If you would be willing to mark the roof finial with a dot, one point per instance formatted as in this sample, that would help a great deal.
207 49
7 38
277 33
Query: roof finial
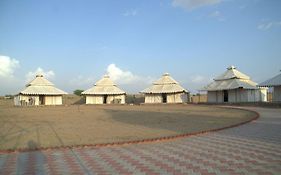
231 67
39 75
166 74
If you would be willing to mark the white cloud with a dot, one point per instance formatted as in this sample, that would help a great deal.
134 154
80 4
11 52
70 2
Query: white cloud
47 74
124 77
82 81
266 25
217 15
193 83
193 4
132 12
9 83
128 81
8 66
199 79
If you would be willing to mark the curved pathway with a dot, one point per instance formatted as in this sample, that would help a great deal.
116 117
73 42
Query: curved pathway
253 148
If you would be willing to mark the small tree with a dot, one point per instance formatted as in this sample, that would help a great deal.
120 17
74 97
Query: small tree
78 92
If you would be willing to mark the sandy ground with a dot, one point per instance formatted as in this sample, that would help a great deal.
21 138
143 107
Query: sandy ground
82 124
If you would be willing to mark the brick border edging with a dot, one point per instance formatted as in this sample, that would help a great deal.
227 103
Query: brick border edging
152 140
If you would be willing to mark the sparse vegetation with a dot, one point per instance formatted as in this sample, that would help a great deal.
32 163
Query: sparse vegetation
78 92
134 98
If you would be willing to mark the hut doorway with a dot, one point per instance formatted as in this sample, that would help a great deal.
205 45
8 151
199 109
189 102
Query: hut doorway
164 97
104 99
225 96
41 100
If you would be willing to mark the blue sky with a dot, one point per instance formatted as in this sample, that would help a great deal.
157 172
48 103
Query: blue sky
74 43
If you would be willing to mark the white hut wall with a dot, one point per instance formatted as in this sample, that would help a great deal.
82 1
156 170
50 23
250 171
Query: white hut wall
115 99
177 98
110 99
238 95
97 99
251 95
219 96
263 93
16 100
94 99
258 95
153 98
276 94
122 98
171 98
232 96
36 100
53 100
182 97
242 95
212 97
25 100
90 99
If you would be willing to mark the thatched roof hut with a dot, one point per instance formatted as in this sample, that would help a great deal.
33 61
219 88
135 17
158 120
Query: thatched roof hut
165 90
40 91
105 91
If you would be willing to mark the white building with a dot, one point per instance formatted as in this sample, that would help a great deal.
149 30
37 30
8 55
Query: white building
39 91
234 87
274 82
105 91
165 90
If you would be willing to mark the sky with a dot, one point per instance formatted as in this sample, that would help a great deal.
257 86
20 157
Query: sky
75 42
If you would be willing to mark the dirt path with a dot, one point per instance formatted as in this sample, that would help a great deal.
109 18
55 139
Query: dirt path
79 125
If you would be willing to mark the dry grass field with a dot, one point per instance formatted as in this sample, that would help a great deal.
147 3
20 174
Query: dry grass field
31 127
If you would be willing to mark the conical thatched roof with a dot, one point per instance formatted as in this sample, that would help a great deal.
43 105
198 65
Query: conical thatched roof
231 79
41 86
166 84
232 73
104 86
275 81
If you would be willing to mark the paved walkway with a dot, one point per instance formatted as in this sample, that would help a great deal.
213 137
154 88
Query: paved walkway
254 148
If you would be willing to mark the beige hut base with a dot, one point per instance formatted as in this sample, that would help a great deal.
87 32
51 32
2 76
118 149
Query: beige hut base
238 95
276 94
274 82
105 99
170 98
35 100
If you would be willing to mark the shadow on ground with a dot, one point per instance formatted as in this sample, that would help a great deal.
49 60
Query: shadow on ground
177 122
